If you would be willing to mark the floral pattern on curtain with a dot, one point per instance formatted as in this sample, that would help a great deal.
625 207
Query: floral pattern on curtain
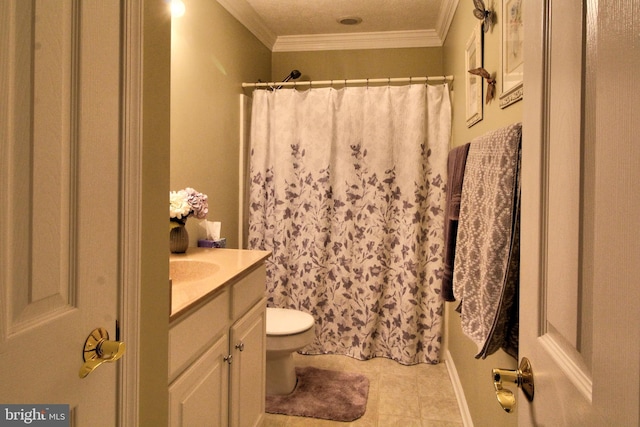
348 192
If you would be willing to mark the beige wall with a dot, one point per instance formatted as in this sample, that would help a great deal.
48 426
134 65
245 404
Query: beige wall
358 64
154 262
475 375
212 54
454 47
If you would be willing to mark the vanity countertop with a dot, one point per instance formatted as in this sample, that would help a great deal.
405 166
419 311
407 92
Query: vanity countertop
227 263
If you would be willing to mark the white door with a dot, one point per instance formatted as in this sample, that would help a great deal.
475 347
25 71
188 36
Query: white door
59 201
580 275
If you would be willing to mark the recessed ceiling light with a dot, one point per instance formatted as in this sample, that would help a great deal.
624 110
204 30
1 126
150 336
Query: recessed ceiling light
350 20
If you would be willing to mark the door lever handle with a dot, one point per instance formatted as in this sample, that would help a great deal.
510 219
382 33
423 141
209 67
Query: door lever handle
98 350
522 377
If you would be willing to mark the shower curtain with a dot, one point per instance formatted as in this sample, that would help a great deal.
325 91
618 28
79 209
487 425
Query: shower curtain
348 192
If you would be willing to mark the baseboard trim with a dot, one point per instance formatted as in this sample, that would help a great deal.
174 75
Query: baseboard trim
457 388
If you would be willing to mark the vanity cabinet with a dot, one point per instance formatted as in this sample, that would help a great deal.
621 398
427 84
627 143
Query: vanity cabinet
199 397
217 351
247 382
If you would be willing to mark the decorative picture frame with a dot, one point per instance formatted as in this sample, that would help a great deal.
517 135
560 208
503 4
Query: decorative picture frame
512 52
473 83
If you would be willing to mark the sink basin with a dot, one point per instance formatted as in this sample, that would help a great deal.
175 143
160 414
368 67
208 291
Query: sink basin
186 270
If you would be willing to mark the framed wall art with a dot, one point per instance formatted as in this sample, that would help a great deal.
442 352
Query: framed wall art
473 59
512 52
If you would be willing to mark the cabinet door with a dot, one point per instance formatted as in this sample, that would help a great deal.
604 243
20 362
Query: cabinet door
248 343
199 396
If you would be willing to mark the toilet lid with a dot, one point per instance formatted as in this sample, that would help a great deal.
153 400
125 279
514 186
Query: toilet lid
284 321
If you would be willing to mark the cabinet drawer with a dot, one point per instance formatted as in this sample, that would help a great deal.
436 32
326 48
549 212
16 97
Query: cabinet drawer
247 291
196 331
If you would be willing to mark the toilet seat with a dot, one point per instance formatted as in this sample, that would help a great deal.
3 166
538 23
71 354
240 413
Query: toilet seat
284 321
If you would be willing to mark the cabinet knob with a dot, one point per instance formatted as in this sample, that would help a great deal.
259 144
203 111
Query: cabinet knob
240 346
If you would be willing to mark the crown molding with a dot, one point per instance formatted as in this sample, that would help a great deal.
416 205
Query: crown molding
447 12
243 12
347 41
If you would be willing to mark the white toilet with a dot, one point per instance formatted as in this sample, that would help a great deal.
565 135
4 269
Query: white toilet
287 332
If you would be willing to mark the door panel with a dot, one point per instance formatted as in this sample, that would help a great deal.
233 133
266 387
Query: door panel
59 171
551 304
43 176
561 301
563 159
575 155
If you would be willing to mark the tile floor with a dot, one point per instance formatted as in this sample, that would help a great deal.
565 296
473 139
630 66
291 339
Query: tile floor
406 396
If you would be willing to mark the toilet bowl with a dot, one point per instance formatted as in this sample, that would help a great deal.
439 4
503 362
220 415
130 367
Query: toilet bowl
287 332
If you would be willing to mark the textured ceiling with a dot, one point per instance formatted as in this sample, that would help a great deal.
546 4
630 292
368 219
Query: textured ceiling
295 17
313 24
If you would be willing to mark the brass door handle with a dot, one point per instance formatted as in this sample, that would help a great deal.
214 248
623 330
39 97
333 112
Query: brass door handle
522 377
98 350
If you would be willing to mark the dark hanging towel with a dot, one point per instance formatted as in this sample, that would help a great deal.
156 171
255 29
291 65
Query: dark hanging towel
455 171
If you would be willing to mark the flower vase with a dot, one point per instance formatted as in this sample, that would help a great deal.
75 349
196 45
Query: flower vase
178 240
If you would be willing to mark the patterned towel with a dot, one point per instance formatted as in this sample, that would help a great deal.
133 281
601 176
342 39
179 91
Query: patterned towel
487 255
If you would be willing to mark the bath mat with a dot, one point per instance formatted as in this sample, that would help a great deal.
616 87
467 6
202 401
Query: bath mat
321 393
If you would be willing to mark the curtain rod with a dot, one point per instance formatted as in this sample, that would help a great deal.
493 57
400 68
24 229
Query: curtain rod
346 82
